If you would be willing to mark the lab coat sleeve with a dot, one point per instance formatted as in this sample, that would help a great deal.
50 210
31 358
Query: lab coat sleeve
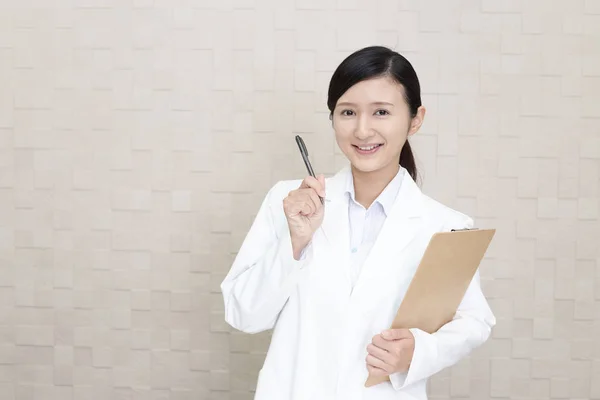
469 329
263 273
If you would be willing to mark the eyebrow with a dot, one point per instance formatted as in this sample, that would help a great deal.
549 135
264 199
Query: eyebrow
376 103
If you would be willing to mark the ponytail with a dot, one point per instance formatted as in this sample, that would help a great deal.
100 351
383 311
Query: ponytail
407 160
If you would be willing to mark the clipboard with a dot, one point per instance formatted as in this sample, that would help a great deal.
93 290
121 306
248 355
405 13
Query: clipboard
440 282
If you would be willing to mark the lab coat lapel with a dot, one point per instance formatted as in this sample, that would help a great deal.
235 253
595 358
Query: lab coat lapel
336 227
398 231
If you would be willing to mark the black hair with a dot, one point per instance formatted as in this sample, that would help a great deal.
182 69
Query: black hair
372 62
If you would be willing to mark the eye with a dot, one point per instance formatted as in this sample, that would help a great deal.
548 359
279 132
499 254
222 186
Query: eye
347 113
382 112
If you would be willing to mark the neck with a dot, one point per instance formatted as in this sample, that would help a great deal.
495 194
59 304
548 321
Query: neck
369 185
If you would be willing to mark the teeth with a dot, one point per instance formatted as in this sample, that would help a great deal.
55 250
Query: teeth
368 148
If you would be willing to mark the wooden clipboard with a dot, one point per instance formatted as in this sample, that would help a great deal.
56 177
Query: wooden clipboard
440 282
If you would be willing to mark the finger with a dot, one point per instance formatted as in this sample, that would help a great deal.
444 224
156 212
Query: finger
308 206
321 179
315 199
380 342
310 182
310 197
376 362
380 353
299 203
397 334
306 209
374 371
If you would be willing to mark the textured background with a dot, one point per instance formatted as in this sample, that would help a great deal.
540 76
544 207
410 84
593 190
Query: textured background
137 139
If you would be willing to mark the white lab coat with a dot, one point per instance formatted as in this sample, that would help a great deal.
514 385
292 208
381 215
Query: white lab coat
322 325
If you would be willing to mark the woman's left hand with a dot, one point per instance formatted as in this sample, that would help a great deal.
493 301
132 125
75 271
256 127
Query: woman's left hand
390 352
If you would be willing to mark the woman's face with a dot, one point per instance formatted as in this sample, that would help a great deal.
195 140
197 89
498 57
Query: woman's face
372 122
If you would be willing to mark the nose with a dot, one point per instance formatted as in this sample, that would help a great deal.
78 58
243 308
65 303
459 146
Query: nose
362 130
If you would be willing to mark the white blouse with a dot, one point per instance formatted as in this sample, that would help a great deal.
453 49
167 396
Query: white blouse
365 224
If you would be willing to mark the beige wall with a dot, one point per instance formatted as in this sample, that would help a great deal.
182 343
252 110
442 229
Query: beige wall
136 143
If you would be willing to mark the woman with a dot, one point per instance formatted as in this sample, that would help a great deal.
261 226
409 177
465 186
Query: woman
329 277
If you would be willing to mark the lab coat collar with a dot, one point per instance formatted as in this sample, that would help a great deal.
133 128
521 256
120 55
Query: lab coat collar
408 193
386 198
399 229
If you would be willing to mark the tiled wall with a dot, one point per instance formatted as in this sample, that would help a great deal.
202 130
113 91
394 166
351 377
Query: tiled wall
138 137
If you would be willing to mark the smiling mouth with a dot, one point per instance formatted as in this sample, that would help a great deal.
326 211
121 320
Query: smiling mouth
367 149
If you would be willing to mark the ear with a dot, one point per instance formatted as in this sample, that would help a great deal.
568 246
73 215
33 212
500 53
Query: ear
417 121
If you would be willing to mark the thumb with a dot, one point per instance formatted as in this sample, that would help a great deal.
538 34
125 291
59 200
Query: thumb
396 334
321 179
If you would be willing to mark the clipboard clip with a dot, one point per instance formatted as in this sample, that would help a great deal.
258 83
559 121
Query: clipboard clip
463 229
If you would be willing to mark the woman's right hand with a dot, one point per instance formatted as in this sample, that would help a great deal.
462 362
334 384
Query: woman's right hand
304 212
